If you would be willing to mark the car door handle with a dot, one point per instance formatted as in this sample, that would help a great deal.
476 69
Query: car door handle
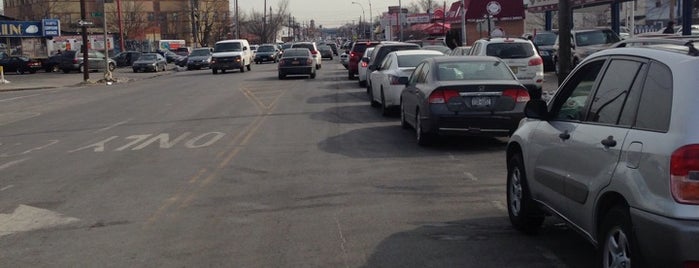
609 142
565 135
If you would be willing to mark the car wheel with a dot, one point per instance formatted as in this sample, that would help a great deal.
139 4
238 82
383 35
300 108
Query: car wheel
223 71
372 102
281 76
403 123
618 246
317 66
55 68
242 68
313 75
32 71
523 212
362 83
423 138
135 70
80 69
250 67
331 58
66 71
214 71
384 109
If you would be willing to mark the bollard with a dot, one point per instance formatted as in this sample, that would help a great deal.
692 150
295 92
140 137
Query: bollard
2 76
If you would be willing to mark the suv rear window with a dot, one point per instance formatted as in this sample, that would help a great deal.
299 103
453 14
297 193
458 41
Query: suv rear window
510 50
359 47
308 46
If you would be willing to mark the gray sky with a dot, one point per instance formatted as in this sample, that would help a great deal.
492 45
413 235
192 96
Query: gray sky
329 13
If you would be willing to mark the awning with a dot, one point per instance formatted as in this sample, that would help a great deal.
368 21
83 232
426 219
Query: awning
437 29
478 9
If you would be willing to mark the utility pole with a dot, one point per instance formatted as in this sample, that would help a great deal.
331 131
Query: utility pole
195 21
564 53
83 14
264 24
673 4
121 26
107 73
400 20
237 21
463 22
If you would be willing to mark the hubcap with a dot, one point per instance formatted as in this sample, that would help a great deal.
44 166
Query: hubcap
515 191
616 252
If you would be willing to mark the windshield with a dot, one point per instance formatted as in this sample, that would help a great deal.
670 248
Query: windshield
412 60
265 49
474 70
200 52
545 39
147 57
595 38
510 50
228 47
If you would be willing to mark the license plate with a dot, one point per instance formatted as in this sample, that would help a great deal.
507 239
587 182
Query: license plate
295 62
480 101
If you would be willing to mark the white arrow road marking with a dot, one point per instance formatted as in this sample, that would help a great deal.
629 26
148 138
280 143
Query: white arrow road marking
26 218
12 163
20 97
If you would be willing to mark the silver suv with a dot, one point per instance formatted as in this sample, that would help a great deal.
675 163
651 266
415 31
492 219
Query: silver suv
615 153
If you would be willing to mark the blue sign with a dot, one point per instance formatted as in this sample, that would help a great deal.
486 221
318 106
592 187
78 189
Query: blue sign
48 27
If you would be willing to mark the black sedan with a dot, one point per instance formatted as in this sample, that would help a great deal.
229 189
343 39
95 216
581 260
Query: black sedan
462 96
19 64
150 62
296 61
267 53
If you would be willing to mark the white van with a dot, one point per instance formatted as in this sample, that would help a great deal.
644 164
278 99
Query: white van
231 54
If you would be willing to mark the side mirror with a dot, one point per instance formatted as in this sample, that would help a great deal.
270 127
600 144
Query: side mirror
403 80
536 109
245 48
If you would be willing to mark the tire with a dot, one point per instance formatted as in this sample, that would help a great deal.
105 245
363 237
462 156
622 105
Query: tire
242 68
384 110
318 66
403 123
423 138
249 67
214 71
313 75
618 246
223 71
32 71
331 58
362 83
524 214
281 76
80 69
135 70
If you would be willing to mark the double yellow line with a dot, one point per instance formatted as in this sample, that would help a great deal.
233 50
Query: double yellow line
184 197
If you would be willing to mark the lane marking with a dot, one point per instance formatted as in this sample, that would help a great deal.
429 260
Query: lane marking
343 241
112 126
20 97
12 163
6 188
470 176
27 218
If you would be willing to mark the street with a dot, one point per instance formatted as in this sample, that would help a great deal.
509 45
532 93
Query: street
244 170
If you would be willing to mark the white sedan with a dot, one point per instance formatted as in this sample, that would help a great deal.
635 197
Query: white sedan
363 67
390 78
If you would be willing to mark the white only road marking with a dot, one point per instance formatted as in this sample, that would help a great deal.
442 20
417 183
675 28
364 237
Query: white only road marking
112 126
6 187
20 97
27 218
12 163
470 176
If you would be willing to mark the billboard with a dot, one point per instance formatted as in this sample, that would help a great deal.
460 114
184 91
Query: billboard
30 28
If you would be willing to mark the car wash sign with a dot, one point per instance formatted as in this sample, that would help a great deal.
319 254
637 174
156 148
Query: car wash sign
49 27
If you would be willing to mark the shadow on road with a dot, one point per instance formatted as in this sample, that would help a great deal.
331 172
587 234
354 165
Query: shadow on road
483 242
351 114
342 97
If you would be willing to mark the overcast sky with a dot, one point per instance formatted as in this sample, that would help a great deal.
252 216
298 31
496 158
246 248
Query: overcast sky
329 13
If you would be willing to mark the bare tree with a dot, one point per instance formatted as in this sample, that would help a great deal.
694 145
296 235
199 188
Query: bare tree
267 28
211 20
133 18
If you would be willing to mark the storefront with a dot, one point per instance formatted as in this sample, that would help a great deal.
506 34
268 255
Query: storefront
483 16
28 37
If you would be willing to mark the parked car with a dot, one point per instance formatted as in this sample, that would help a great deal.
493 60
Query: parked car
519 54
182 51
152 62
344 59
52 63
355 55
231 54
460 51
73 61
268 52
20 64
311 46
476 95
296 61
126 58
199 58
380 53
362 67
584 43
544 42
326 52
386 86
615 154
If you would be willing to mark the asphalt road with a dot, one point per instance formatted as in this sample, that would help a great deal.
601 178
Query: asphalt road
244 170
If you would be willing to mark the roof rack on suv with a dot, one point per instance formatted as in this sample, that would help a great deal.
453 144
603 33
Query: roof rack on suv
653 42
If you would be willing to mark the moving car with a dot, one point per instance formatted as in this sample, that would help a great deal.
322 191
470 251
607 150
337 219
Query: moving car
326 52
615 154
151 62
267 53
519 54
20 64
311 46
296 61
386 80
231 54
476 95
199 58
73 61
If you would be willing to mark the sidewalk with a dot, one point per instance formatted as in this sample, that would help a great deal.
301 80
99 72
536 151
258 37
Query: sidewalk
43 80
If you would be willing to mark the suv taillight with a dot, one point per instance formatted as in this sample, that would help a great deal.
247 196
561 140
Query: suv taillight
684 174
442 95
520 95
536 61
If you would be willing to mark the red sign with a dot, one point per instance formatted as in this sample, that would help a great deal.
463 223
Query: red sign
480 9
549 5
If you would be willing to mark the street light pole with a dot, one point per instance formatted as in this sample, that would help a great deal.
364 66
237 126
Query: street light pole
360 21
400 20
